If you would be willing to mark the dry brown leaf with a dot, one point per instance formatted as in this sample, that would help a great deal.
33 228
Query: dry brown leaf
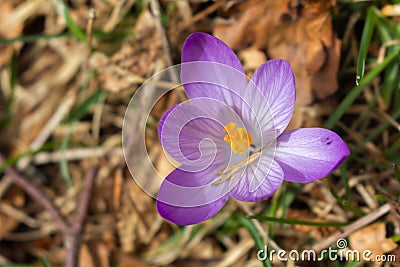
34 122
6 11
391 10
126 260
373 238
85 257
126 229
117 188
16 198
99 254
133 61
300 32
252 58
315 231
136 222
7 225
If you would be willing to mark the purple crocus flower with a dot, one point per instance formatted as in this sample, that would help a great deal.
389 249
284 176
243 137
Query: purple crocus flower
230 136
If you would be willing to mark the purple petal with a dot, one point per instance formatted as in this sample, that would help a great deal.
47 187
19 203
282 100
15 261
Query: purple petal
308 154
187 216
211 69
190 137
189 198
272 91
162 120
201 46
193 134
259 181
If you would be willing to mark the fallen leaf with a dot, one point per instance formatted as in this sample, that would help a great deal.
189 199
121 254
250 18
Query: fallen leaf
373 238
317 232
85 257
16 198
7 225
298 31
6 12
391 10
126 260
134 60
252 58
100 253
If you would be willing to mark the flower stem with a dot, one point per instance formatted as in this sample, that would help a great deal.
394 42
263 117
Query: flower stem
259 227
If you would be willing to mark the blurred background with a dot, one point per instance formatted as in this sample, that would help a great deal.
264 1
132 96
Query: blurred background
68 70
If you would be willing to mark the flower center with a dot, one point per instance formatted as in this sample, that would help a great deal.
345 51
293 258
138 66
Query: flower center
239 138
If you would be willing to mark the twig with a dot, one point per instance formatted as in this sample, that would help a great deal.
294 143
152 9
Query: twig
119 11
18 215
36 194
236 252
71 231
155 7
63 109
72 235
75 154
5 183
207 11
352 227
89 31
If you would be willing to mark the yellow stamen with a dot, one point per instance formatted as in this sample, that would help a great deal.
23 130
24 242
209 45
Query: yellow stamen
239 138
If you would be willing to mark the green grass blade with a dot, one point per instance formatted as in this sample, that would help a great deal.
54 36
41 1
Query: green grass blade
396 171
71 24
396 101
356 91
300 222
368 30
396 238
34 38
344 203
258 241
79 112
370 106
391 78
63 161
393 149
11 161
377 131
44 261
287 199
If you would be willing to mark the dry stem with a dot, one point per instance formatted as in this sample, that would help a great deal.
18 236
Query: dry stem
71 231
